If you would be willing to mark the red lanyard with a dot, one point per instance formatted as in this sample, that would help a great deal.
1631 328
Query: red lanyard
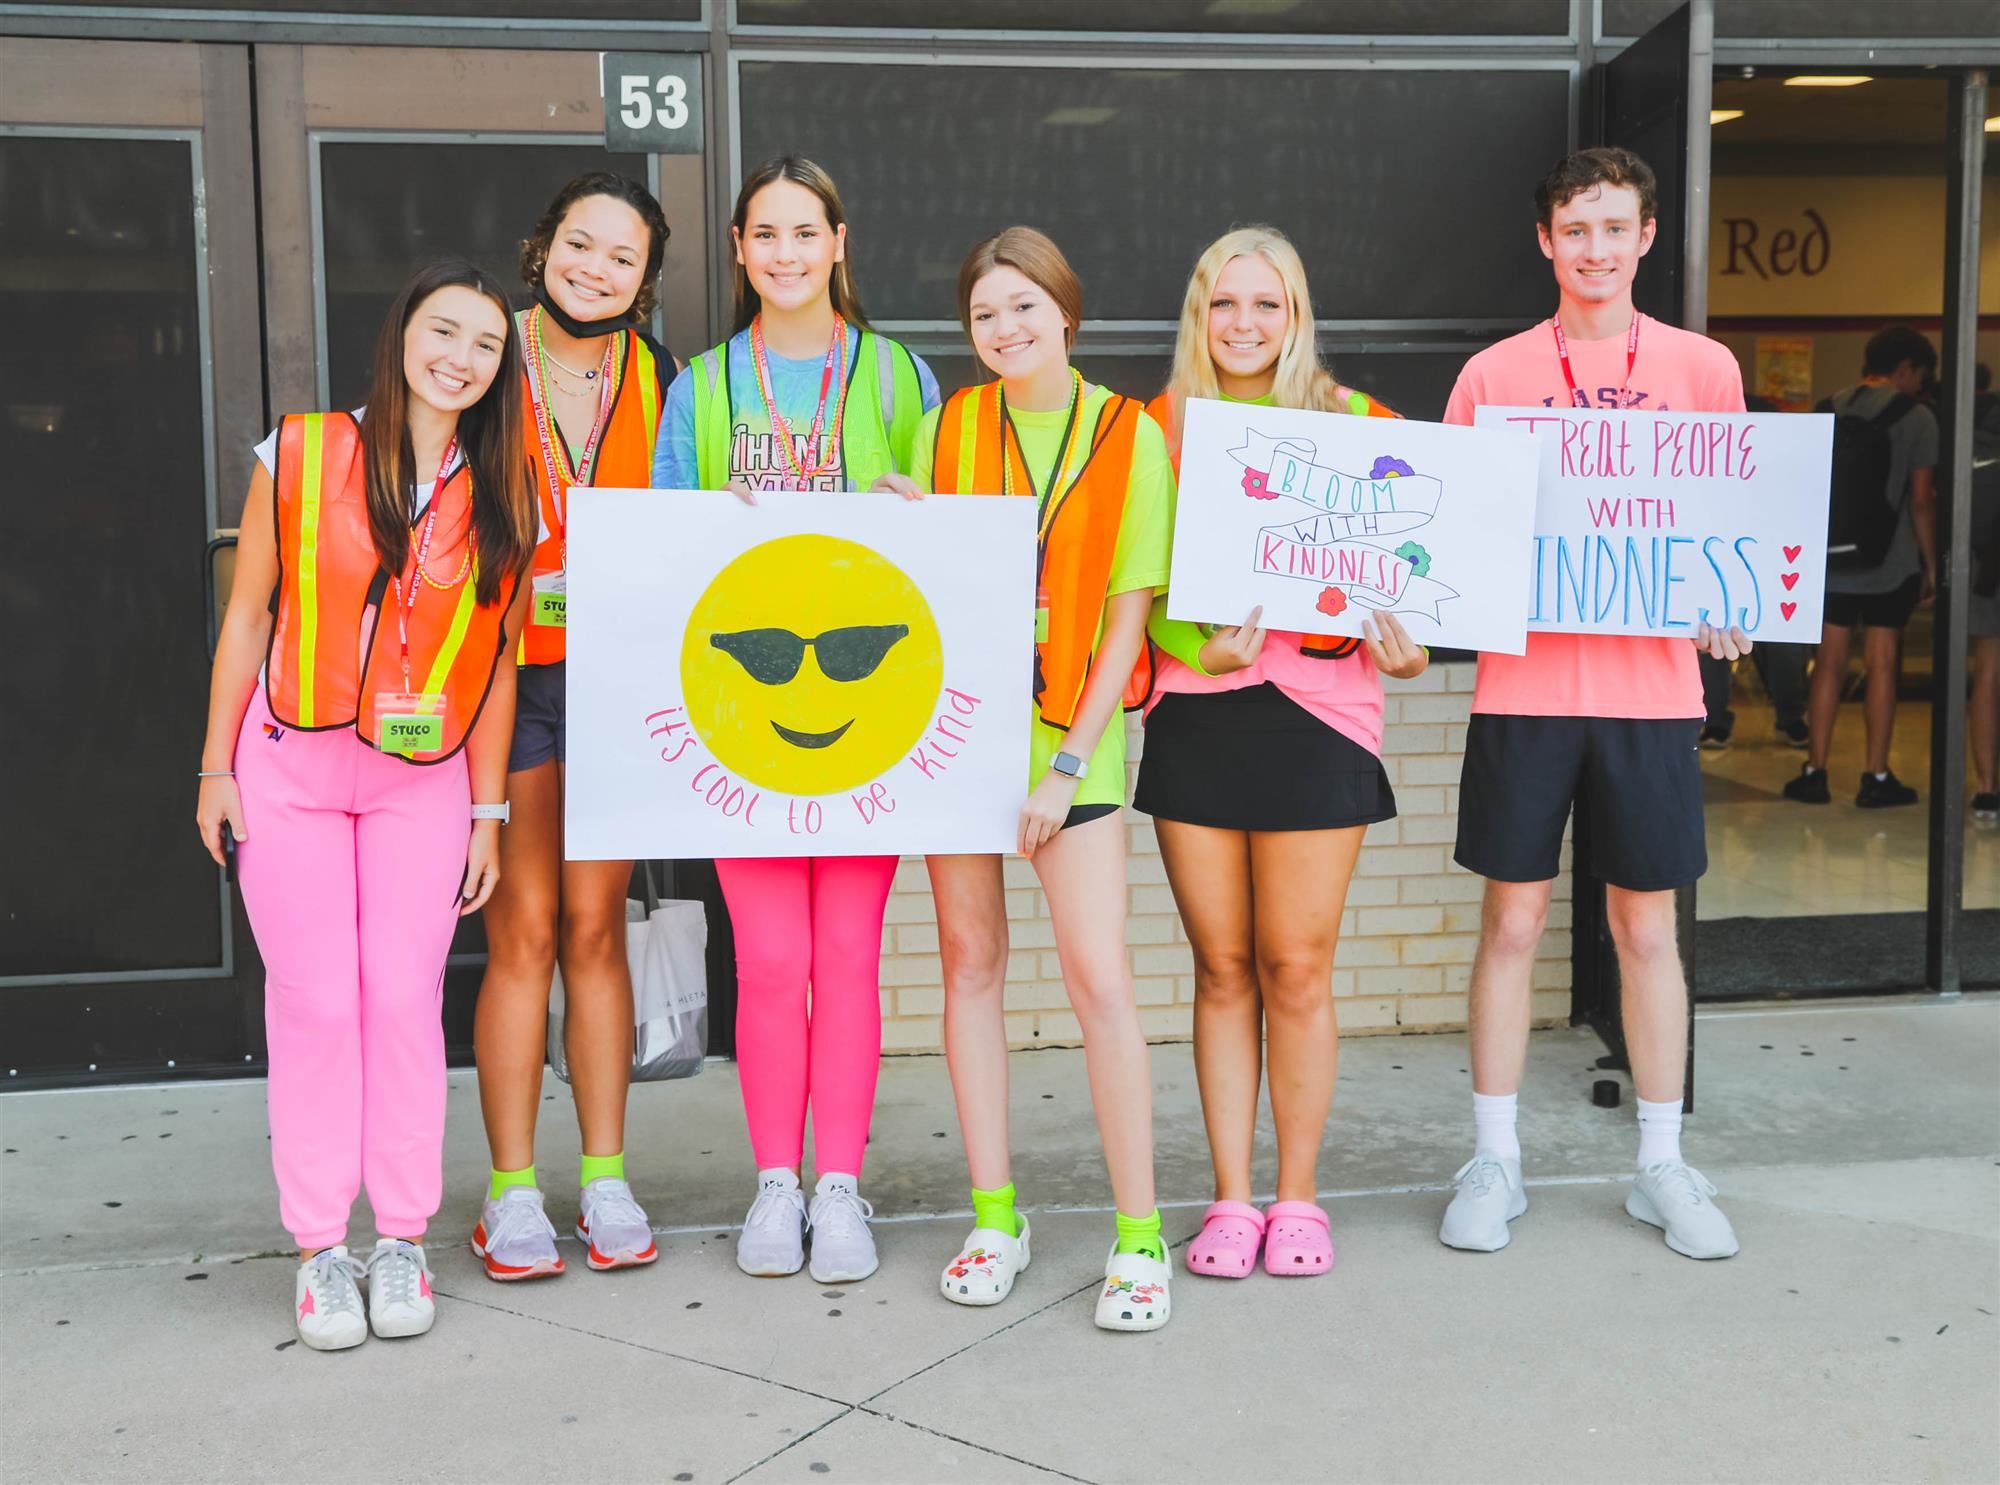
1576 398
561 476
403 611
781 433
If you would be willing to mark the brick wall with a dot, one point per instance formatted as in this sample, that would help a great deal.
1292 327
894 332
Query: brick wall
1406 939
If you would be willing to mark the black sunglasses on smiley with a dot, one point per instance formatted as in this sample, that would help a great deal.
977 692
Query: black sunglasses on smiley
773 656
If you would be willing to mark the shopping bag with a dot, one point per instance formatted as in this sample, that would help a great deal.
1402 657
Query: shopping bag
666 945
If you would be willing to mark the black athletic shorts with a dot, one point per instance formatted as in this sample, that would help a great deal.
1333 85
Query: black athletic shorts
1889 610
1639 777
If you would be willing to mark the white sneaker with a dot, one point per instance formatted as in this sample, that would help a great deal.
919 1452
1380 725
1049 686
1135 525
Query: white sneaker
399 1289
1489 1196
327 1303
843 1247
1674 1196
772 1242
514 1237
613 1226
985 1269
1135 1293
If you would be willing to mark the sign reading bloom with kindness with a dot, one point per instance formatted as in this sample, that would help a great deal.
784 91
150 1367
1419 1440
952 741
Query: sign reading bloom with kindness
1325 518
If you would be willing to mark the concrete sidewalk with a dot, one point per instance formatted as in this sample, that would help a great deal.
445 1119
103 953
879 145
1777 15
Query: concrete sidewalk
147 1331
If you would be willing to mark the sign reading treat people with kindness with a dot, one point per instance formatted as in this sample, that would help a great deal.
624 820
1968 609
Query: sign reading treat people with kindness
812 675
1656 522
1326 518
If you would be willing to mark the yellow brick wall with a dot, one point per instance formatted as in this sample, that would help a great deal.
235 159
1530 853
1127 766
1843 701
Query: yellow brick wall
1406 939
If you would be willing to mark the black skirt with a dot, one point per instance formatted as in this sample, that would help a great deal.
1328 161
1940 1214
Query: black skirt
1255 759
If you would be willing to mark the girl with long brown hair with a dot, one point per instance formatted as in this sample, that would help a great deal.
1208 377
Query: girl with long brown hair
802 396
356 763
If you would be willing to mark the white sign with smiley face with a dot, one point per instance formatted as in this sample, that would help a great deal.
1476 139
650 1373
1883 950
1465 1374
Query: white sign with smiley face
815 675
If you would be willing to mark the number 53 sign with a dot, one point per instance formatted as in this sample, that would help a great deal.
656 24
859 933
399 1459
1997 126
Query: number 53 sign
652 103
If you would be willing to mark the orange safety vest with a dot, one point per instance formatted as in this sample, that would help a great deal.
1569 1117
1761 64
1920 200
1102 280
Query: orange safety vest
624 462
1078 534
333 649
1165 411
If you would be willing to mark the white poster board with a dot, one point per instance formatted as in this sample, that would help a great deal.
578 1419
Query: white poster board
815 675
1325 518
1653 522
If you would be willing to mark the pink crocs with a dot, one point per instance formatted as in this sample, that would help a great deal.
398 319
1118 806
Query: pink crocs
1297 1243
1226 1247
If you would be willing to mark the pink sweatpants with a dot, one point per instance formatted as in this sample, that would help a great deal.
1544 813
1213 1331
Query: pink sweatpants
808 1001
351 873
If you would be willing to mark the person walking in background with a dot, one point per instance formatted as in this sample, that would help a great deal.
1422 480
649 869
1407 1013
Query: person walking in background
1885 454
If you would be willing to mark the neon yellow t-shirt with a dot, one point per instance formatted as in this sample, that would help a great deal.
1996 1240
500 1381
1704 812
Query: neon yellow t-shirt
1140 560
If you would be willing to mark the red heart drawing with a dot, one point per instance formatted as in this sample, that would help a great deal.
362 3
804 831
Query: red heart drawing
1788 609
1789 579
1792 553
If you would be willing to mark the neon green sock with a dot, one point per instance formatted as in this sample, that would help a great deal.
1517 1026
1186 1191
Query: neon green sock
597 1167
502 1180
1142 1235
995 1209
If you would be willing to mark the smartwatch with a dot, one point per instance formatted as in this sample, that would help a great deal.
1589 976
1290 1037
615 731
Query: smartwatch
1069 766
498 812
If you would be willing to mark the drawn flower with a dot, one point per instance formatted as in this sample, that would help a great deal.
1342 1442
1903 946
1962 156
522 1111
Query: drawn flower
1255 483
1388 468
1414 554
1332 602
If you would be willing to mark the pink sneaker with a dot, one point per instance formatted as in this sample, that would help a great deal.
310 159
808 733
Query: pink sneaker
1297 1243
1226 1246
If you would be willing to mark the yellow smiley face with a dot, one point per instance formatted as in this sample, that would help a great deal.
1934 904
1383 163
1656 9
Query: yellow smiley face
810 665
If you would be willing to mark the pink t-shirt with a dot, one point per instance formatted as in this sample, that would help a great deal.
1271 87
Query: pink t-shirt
1346 693
1597 675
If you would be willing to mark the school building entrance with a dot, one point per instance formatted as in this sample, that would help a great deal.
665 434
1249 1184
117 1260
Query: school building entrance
208 207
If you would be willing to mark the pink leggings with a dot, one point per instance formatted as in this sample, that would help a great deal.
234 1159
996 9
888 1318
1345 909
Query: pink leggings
351 873
808 922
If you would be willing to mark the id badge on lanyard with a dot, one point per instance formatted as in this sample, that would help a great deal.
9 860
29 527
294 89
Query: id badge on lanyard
551 607
410 722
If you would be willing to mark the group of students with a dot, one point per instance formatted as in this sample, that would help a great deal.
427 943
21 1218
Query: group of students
386 737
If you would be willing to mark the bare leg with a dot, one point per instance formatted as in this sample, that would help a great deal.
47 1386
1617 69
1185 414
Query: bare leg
510 1021
972 939
1654 991
1823 701
1510 929
1083 875
1984 712
1300 882
597 995
1878 648
1210 873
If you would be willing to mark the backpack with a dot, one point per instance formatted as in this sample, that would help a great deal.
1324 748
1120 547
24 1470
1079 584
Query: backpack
1986 506
1860 515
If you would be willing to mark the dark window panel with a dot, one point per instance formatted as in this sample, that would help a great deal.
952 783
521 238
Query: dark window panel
1128 172
465 10
1234 17
107 515
1819 20
390 207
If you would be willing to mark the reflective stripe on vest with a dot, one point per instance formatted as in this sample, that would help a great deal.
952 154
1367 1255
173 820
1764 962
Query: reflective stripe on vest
308 566
879 379
1080 527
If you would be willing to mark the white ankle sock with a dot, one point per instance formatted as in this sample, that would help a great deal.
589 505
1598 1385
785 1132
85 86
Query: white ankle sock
1493 1124
1659 1132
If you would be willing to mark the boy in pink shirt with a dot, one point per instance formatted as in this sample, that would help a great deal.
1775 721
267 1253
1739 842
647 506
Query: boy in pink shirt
1610 719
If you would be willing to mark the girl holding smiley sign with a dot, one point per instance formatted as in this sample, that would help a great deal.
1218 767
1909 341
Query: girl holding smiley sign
1098 468
803 396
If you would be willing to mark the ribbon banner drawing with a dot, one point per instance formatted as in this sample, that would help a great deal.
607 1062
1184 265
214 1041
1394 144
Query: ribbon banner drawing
1330 547
1326 520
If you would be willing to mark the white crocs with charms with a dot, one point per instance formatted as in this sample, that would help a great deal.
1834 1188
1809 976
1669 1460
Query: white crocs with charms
1135 1292
984 1271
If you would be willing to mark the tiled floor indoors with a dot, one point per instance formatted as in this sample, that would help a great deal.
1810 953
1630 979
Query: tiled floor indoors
1771 858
